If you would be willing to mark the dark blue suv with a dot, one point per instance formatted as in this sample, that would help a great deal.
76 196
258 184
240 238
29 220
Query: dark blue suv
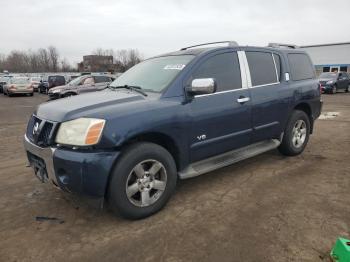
177 115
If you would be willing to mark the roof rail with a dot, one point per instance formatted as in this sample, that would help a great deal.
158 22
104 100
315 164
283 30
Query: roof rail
230 43
279 45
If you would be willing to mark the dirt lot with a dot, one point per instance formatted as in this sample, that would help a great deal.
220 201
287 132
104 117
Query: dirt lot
268 208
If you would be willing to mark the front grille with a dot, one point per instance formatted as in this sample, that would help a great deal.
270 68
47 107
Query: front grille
40 131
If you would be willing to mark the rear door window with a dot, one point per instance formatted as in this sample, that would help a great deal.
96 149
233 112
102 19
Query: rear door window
301 67
224 68
262 68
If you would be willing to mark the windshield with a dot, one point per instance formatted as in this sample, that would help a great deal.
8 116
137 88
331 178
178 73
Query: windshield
19 80
328 75
154 74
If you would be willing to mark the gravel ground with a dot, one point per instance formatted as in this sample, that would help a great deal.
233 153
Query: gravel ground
268 208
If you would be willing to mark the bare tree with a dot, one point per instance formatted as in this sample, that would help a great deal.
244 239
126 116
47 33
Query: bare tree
53 57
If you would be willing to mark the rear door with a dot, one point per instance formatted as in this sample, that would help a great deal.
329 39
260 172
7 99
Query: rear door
269 94
220 122
88 85
343 81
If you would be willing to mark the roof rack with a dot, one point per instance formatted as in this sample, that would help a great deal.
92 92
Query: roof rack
230 43
279 45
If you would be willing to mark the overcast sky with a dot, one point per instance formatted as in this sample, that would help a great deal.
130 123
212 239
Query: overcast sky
76 27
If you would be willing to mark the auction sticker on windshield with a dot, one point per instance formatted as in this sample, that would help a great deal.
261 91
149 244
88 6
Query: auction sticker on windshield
174 67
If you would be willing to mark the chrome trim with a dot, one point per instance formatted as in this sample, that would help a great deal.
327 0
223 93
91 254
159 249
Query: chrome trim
271 84
243 99
274 62
247 70
244 79
221 92
46 153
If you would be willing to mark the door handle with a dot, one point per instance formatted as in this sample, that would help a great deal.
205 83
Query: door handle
243 99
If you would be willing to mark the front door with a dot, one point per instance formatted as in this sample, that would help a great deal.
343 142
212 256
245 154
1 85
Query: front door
220 121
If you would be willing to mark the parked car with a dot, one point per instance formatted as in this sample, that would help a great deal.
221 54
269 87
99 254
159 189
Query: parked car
35 82
82 84
174 116
51 82
18 85
43 85
331 82
3 82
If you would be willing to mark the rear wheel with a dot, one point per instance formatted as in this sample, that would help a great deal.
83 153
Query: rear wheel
142 181
296 134
348 88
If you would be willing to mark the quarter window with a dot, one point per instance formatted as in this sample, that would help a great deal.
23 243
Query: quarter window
262 68
300 67
224 68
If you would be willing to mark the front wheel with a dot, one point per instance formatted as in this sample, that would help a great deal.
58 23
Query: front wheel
142 181
296 134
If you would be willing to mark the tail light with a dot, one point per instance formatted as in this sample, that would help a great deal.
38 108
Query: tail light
12 87
30 86
320 87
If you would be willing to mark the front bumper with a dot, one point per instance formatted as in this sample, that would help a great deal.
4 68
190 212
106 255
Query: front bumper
85 173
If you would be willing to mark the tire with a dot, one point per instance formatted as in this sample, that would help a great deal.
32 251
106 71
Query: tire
142 157
348 88
291 145
31 94
334 90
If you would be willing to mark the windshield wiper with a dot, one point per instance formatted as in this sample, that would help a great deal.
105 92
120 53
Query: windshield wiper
132 88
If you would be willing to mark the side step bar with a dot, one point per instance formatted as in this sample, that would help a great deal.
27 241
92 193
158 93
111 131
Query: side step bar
228 158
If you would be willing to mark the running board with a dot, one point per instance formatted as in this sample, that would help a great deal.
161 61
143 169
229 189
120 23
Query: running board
228 158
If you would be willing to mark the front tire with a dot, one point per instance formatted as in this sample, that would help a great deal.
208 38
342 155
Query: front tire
296 134
142 181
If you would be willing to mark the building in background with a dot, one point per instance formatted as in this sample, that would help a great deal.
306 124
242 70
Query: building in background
329 57
97 63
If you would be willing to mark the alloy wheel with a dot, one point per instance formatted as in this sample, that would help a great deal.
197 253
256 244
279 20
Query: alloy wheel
146 183
299 133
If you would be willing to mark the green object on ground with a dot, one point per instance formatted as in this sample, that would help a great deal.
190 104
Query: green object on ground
341 250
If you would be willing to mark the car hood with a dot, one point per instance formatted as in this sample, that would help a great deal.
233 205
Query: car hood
93 104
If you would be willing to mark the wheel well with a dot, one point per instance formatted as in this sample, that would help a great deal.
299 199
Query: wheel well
161 140
307 109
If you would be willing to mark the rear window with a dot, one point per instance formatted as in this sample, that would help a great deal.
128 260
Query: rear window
262 68
301 67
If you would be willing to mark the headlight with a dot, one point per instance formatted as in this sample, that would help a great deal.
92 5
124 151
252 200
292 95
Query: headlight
80 132
56 91
330 82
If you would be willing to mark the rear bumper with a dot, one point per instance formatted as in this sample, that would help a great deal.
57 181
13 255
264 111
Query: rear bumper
83 173
24 91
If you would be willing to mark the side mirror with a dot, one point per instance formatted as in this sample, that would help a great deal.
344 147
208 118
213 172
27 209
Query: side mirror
202 86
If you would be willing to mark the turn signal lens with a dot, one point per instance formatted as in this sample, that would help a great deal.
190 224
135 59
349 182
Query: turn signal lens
94 133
